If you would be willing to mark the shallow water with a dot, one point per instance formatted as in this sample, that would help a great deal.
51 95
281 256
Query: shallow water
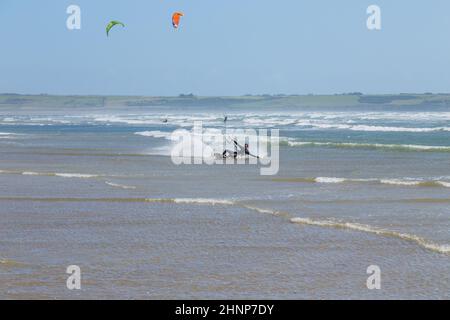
99 190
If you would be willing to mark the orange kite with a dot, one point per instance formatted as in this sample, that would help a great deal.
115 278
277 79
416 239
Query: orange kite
176 19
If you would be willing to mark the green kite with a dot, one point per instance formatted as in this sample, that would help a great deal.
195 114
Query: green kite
111 25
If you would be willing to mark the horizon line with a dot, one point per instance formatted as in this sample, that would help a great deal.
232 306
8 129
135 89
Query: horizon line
192 95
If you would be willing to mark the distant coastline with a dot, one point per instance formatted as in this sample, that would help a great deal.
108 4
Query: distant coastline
251 101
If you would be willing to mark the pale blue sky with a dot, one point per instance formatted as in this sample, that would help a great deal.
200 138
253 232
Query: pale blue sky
225 47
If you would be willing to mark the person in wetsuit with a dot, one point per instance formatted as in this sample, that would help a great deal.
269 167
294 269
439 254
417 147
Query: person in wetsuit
228 153
243 150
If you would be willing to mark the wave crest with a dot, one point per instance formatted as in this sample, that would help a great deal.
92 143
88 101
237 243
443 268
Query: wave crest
409 182
374 146
445 249
121 186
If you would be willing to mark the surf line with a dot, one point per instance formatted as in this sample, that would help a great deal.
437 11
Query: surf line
98 177
422 242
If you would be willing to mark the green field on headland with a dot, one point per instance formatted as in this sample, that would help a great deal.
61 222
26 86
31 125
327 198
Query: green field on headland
281 101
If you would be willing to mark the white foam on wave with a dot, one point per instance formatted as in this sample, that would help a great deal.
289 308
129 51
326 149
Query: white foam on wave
31 173
269 122
207 143
444 183
214 202
396 129
344 119
128 120
401 116
405 147
400 182
334 180
75 175
156 119
194 201
154 134
368 128
264 211
329 180
378 231
395 182
204 201
445 249
51 174
415 182
207 134
121 186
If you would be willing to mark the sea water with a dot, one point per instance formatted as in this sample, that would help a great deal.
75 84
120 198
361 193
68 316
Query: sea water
98 189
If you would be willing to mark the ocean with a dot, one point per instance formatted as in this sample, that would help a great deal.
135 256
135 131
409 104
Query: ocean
97 188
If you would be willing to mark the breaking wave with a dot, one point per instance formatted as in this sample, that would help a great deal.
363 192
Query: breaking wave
154 134
367 128
350 145
204 201
51 174
218 135
395 182
424 243
445 249
120 186
76 175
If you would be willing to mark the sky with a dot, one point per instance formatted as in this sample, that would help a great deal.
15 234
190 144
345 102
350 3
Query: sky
225 47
